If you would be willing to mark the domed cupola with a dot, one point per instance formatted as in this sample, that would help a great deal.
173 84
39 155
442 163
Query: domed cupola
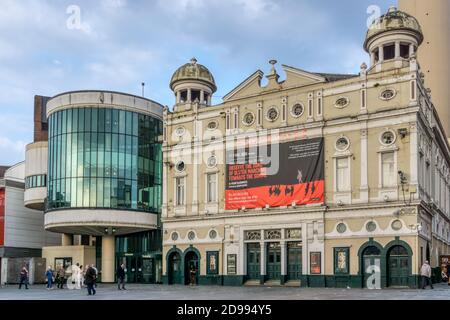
192 83
394 36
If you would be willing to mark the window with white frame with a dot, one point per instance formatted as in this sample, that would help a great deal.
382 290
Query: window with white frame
211 181
388 175
180 191
342 174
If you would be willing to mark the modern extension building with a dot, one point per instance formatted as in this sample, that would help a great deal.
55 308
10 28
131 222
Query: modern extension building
315 180
98 179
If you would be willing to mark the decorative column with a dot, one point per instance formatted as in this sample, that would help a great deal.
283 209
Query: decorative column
202 97
67 240
397 49
283 262
178 97
411 50
372 58
381 53
263 261
108 257
189 97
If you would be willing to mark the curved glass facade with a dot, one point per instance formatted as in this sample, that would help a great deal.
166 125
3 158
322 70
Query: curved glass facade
104 158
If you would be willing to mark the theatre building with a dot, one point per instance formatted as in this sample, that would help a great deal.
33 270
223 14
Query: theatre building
97 179
305 178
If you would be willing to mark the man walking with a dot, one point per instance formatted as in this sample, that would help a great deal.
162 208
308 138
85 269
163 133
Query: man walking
23 278
90 280
60 276
96 275
425 272
121 277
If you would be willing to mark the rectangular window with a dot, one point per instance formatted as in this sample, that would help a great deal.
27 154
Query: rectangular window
387 169
341 260
236 123
259 117
228 121
179 182
319 107
363 99
211 187
342 174
315 263
310 108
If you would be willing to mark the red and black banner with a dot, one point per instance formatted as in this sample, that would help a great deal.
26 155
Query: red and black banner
252 182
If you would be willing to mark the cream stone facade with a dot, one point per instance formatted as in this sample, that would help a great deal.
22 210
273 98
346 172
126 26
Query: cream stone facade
386 170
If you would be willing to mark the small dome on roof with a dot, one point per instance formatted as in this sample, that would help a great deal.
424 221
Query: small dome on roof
394 20
193 71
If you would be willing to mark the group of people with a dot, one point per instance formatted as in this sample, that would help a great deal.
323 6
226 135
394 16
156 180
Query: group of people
87 276
425 273
79 277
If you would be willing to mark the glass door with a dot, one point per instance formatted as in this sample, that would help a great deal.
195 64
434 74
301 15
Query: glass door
273 261
294 258
253 261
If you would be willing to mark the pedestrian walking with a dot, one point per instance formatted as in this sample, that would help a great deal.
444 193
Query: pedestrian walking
193 274
49 278
121 277
96 275
425 272
90 280
23 278
60 277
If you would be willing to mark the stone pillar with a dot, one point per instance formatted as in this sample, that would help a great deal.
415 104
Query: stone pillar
178 97
381 53
202 97
397 49
108 257
189 97
411 50
209 99
263 262
67 240
372 58
283 261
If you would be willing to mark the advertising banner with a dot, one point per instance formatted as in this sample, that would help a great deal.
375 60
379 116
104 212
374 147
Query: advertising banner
298 177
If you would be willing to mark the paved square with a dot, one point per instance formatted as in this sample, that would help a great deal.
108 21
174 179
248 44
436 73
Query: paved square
156 292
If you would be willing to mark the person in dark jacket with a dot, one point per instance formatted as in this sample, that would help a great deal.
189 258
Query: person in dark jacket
448 272
121 277
90 277
23 278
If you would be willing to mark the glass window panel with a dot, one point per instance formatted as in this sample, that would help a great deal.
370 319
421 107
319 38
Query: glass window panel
86 193
87 119
69 120
94 154
79 192
101 120
122 121
107 193
93 193
94 116
388 175
135 124
108 120
68 155
75 116
115 121
74 156
80 120
63 122
100 202
129 123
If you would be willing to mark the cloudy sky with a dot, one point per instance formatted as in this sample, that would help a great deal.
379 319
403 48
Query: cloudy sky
47 48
